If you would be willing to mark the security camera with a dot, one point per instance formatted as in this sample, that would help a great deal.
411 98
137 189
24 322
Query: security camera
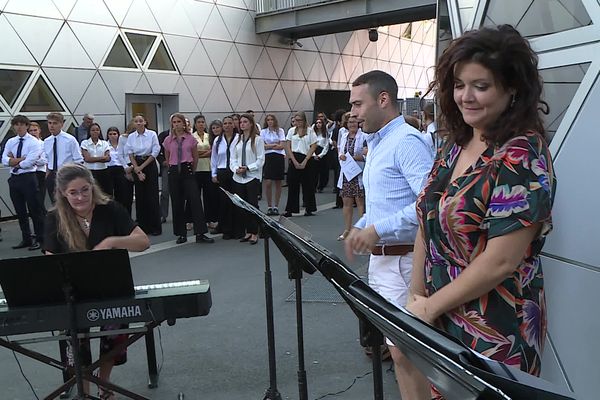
373 35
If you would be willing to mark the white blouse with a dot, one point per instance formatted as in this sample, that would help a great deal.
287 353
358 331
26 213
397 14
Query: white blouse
301 144
255 159
97 149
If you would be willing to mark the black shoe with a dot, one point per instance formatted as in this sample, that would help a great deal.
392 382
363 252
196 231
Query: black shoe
202 238
308 214
163 220
181 239
245 239
23 244
35 245
253 241
226 236
287 214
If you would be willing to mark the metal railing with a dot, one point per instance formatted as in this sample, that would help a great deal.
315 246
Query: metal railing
270 6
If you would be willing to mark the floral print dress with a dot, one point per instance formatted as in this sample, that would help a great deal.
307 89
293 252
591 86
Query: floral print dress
508 188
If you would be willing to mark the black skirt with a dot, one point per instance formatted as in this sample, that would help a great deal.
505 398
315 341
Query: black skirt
274 166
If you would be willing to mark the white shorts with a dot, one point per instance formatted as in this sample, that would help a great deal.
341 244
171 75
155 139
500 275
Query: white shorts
390 277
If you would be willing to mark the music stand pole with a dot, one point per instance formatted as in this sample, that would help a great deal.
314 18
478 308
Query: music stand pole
295 272
272 393
371 337
70 300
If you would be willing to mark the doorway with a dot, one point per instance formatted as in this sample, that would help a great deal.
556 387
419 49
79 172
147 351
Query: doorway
156 109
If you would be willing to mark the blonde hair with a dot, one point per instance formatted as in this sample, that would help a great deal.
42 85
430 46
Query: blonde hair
69 229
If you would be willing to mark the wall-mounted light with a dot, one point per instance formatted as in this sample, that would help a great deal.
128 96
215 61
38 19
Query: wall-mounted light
373 35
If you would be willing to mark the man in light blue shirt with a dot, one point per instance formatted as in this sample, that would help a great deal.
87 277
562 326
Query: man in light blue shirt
396 169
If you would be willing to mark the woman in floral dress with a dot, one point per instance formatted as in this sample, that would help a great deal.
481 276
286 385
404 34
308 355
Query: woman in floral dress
486 209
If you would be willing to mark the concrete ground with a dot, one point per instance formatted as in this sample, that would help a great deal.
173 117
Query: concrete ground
223 356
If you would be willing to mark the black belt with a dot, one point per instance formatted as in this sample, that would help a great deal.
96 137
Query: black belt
141 158
392 250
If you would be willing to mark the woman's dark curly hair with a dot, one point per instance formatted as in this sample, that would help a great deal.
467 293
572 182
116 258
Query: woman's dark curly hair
514 65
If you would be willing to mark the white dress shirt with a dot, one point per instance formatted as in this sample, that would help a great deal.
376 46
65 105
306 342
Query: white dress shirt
397 167
272 137
143 144
255 159
31 150
324 143
97 149
67 150
115 155
42 163
218 158
301 144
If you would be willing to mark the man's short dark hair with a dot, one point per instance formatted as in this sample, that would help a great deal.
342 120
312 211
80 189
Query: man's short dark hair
20 119
378 82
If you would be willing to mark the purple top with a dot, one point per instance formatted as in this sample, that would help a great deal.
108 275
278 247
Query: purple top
188 148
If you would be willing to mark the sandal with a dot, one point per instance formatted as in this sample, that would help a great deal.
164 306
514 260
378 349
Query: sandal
343 235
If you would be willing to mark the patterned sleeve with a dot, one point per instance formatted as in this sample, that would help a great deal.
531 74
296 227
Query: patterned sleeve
524 188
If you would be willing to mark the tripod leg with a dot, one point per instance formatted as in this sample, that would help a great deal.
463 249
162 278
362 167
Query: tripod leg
151 356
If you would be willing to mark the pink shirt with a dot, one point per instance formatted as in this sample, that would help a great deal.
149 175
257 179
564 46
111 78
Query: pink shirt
188 148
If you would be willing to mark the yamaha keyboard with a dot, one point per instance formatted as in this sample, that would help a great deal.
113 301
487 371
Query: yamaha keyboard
150 305
157 302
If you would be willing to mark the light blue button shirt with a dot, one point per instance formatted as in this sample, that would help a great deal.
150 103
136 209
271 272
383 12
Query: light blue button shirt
397 166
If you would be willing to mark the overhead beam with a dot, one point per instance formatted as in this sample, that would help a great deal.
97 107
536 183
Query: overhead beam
339 16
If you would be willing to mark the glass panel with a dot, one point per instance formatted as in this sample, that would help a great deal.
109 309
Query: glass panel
41 98
119 56
161 59
141 44
11 83
539 17
148 110
560 86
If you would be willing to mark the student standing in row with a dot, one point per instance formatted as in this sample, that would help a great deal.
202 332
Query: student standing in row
96 154
60 148
41 166
21 154
320 157
223 176
182 155
143 148
247 160
274 169
206 187
301 143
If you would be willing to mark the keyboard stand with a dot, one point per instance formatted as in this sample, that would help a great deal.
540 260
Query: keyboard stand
87 372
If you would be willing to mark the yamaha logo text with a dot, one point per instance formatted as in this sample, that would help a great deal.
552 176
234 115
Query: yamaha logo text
96 314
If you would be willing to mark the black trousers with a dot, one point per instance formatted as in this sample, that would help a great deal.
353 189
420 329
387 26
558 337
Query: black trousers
229 217
321 170
41 180
147 209
183 189
207 190
118 186
335 165
296 178
209 195
102 178
249 192
51 185
24 195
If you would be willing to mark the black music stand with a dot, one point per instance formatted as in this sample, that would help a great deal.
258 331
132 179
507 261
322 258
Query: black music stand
68 279
456 370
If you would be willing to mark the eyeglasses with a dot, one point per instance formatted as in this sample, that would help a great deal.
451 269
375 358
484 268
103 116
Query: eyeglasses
83 193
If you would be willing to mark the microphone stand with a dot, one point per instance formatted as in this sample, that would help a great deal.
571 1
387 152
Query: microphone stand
272 393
